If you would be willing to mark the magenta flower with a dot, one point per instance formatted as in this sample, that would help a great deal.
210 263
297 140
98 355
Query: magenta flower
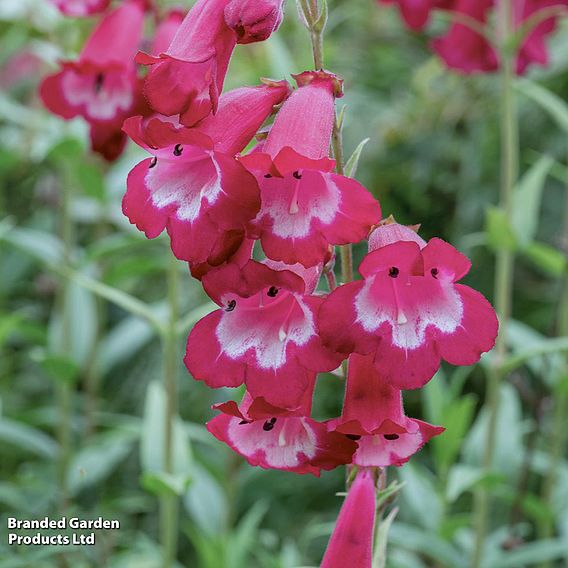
81 8
373 415
264 336
305 207
254 20
467 51
166 30
351 543
275 438
193 186
416 13
102 86
409 312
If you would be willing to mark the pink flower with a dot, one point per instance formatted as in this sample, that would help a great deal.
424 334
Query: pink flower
305 207
464 49
254 20
392 232
275 438
188 77
410 313
166 30
265 335
351 543
81 8
193 186
416 13
101 86
374 416
467 51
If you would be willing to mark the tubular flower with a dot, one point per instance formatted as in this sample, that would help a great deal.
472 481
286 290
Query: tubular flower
254 20
166 30
409 312
187 78
374 416
416 13
101 86
265 334
351 543
467 51
276 438
193 186
305 207
81 8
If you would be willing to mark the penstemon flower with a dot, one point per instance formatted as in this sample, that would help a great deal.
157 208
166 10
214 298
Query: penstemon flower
193 186
351 543
254 20
265 335
277 438
81 8
305 206
409 312
373 415
102 85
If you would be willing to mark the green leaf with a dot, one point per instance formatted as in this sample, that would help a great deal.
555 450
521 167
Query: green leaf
59 368
527 199
96 461
533 553
547 258
500 233
163 484
550 102
152 442
381 540
27 438
353 162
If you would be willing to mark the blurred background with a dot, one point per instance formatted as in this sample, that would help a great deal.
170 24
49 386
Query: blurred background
82 300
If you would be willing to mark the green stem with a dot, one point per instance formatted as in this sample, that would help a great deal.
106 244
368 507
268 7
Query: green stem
64 392
560 396
504 267
169 504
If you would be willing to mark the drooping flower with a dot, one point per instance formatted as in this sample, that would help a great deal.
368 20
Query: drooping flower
193 186
276 438
265 334
464 49
351 543
187 78
409 312
416 13
305 206
254 20
81 8
373 415
102 86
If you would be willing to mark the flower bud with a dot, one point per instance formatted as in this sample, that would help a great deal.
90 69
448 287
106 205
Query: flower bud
254 20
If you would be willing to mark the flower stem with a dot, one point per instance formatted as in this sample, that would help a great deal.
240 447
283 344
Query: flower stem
504 266
560 400
169 503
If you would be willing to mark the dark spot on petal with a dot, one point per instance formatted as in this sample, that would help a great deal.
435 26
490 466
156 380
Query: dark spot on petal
178 150
391 436
269 424
99 82
434 272
231 306
394 272
354 437
153 162
272 291
267 176
297 174
242 422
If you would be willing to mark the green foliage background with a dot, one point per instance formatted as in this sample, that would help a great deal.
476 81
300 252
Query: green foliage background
433 159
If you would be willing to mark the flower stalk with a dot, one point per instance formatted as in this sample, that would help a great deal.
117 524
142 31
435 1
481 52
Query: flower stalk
504 263
169 503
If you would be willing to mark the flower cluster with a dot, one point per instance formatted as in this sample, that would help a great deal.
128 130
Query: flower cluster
466 49
219 192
